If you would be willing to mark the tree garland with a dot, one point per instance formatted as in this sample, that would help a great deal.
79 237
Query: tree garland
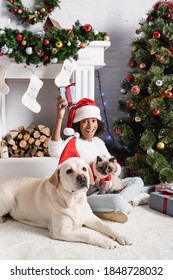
41 11
48 48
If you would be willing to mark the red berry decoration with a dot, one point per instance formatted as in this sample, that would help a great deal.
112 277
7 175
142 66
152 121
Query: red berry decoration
156 35
169 94
87 27
156 112
19 37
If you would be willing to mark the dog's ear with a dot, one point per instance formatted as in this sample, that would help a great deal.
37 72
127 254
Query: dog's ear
54 179
98 159
92 182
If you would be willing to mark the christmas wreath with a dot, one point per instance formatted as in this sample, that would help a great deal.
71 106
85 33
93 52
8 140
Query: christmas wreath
41 11
47 47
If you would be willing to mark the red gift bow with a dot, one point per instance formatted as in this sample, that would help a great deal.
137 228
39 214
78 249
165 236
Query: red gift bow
168 195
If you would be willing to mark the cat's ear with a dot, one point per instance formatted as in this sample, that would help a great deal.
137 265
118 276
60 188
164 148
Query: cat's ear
99 159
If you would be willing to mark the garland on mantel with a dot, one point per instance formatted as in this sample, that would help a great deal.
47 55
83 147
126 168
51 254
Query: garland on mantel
52 47
41 11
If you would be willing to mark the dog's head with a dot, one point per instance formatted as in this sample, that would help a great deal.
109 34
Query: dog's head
73 174
105 165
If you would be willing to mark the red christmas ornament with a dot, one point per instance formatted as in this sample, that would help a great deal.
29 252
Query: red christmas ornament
167 15
117 131
87 27
14 10
156 35
156 112
1 54
129 78
138 31
137 155
49 10
159 58
135 90
150 18
129 104
46 42
132 63
169 94
46 57
19 37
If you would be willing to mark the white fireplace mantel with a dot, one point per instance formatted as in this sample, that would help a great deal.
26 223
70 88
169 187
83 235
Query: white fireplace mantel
89 59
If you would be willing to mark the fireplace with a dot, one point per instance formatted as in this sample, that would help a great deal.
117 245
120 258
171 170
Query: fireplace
89 59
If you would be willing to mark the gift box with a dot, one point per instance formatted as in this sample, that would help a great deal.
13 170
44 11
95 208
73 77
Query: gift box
162 201
69 93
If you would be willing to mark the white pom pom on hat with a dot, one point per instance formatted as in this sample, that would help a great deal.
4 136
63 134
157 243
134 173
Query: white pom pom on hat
84 108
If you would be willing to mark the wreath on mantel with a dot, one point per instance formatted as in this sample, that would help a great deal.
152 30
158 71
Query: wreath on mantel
47 47
41 11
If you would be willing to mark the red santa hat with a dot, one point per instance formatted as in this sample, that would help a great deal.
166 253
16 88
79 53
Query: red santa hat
84 108
69 151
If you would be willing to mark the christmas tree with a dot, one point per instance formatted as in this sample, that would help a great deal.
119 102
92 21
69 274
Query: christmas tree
146 131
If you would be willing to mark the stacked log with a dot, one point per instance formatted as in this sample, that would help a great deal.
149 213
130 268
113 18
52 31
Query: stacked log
28 142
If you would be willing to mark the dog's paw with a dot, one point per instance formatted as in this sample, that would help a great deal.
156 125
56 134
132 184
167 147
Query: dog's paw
2 220
108 245
123 240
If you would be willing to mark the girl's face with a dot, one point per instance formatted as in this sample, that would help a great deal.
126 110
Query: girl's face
88 128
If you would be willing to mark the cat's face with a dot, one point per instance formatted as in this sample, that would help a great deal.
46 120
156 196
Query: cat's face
105 166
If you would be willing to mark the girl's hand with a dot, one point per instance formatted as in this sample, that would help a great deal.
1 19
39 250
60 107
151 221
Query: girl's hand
61 106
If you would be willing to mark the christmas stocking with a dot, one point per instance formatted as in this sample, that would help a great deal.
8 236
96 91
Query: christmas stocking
29 98
4 64
63 78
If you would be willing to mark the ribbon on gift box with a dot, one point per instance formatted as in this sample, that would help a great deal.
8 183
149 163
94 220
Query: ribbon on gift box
165 200
69 93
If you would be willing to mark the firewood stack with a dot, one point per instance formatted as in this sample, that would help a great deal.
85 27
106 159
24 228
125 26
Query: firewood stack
28 142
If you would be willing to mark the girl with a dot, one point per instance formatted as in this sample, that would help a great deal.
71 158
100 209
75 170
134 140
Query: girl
83 127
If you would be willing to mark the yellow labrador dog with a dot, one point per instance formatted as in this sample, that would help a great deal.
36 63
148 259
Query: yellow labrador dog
58 203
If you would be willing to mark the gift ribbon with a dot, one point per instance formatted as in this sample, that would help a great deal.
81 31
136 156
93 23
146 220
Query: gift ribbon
168 195
68 93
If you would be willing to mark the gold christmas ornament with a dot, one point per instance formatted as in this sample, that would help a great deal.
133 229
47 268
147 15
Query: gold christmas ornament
152 52
23 43
160 145
142 65
106 38
59 44
137 119
83 45
42 10
19 11
54 51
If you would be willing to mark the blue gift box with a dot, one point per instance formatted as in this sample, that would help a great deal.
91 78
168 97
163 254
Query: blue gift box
162 201
69 93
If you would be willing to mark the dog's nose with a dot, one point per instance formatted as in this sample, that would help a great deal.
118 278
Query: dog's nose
81 178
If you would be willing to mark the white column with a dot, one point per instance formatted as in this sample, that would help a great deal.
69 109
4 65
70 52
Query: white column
85 82
2 116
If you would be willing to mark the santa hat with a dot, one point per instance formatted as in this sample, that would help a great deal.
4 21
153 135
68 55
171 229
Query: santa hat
84 108
69 151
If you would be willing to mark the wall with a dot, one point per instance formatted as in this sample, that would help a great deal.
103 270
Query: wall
119 18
